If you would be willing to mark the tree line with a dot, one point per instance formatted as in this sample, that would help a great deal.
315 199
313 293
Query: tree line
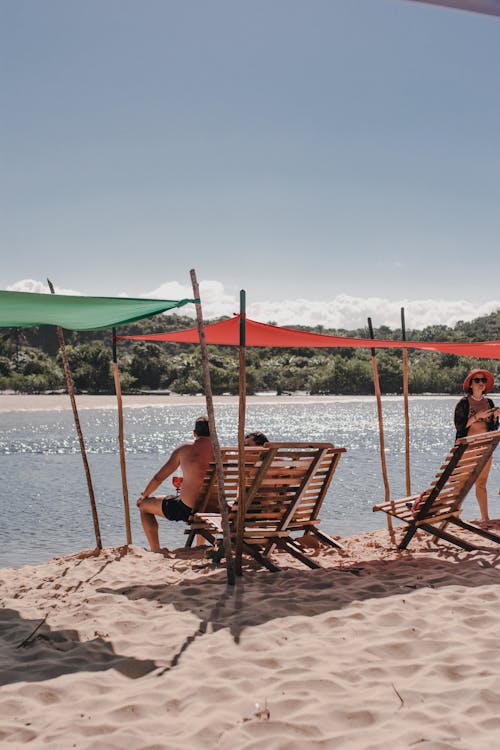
30 362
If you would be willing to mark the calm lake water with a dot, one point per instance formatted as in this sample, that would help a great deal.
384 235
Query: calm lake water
44 502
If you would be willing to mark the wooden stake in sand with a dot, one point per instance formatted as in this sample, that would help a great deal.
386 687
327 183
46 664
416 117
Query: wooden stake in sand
380 423
406 409
224 509
71 393
240 518
121 441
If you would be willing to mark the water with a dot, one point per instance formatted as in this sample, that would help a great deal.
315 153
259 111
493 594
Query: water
44 502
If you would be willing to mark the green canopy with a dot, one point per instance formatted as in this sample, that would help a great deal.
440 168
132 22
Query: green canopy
77 313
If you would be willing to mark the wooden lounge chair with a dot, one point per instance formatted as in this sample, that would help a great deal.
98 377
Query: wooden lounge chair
440 505
285 483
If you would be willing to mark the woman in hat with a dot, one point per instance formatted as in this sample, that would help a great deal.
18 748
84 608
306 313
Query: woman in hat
475 414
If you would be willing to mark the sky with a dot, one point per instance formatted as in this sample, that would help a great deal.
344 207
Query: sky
337 159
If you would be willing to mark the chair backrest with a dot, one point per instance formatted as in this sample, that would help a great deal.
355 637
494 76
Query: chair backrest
457 475
285 483
208 500
276 490
314 492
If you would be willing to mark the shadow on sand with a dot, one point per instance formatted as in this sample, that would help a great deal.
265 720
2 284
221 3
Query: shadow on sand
267 596
31 651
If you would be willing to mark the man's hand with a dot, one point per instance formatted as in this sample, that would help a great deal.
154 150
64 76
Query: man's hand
141 499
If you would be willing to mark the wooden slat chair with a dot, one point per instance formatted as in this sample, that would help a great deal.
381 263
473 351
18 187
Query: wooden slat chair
206 521
286 484
441 504
305 517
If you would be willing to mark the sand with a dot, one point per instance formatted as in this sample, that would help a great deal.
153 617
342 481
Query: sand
62 402
47 402
128 649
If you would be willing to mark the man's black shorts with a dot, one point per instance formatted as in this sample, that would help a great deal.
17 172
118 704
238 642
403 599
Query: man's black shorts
175 510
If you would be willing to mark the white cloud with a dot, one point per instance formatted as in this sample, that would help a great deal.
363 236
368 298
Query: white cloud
214 299
344 311
38 287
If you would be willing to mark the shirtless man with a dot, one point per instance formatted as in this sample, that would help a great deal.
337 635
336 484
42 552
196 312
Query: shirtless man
193 459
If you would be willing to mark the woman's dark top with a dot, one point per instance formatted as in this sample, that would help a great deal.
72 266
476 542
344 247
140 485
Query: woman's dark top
462 417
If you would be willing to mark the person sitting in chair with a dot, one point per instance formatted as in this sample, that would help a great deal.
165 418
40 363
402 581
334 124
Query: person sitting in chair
193 459
255 438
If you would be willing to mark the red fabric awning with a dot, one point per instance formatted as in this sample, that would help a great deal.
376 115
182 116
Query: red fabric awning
227 333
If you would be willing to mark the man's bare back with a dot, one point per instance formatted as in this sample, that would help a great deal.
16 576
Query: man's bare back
193 459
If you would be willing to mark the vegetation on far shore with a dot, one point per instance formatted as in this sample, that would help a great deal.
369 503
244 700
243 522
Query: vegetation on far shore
30 362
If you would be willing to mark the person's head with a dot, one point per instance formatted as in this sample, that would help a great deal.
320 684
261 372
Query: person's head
478 380
201 427
255 438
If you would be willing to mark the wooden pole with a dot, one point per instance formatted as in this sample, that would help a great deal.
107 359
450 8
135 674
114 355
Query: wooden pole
406 408
71 393
224 508
240 518
121 441
380 422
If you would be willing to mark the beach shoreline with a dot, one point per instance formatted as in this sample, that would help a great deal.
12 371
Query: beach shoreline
127 648
61 402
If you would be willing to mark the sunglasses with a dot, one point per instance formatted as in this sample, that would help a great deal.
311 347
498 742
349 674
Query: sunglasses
479 380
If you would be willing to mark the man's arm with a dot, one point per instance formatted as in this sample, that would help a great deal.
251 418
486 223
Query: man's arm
168 468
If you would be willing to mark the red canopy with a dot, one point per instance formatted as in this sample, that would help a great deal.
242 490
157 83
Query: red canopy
227 333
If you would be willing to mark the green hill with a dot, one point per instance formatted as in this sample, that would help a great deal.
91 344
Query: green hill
30 361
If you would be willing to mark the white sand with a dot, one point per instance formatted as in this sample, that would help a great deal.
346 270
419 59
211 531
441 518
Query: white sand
62 402
380 649
42 402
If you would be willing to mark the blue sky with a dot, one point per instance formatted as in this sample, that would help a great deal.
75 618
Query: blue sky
335 158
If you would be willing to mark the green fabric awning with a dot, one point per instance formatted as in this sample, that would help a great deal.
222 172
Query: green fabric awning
77 313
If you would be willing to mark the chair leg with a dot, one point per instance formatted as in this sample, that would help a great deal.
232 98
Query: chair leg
200 532
476 530
408 536
326 538
293 549
447 537
269 547
208 536
254 552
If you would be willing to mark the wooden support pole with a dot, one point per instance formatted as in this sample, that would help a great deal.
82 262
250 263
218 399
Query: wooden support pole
240 518
380 422
224 508
406 407
71 393
121 441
